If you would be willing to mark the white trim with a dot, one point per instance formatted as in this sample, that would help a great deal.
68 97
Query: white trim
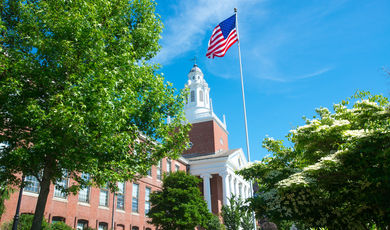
33 194
60 199
83 204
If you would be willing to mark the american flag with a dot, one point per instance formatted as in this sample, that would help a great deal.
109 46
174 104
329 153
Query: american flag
224 36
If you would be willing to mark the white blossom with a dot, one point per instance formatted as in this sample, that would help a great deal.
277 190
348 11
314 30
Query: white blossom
367 102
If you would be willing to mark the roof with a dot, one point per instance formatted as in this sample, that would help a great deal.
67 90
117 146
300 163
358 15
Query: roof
205 156
195 68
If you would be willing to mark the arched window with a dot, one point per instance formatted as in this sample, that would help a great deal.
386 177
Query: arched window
103 226
134 228
82 224
201 95
56 219
192 96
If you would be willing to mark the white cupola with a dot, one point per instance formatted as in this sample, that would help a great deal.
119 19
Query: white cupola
198 103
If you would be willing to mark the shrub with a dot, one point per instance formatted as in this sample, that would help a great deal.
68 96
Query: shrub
60 226
214 224
25 222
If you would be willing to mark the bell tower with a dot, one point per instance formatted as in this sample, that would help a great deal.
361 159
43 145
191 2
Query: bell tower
208 134
198 101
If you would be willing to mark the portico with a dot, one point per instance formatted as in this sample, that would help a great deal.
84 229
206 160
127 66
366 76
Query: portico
219 180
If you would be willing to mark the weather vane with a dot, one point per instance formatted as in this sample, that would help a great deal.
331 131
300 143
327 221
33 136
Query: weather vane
194 60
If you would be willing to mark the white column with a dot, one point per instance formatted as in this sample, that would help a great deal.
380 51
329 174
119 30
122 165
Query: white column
231 185
245 192
242 191
225 187
249 191
206 189
236 187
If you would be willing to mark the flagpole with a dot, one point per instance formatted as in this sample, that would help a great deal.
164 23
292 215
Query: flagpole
243 103
242 89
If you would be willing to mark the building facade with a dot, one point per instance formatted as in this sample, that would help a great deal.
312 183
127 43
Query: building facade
93 207
209 158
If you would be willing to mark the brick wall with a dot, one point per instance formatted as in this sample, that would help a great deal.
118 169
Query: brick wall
73 210
206 138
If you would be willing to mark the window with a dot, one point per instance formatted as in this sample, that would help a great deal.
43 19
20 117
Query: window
159 166
61 184
201 95
56 219
103 197
120 227
82 224
84 192
103 226
134 201
149 172
32 184
169 166
3 145
134 228
192 96
177 168
147 199
120 200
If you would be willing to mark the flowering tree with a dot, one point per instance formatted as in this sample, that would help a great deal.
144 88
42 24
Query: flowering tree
337 173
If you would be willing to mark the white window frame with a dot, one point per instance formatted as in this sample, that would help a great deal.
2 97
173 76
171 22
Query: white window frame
134 198
120 196
104 190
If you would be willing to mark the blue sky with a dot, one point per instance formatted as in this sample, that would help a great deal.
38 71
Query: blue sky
297 56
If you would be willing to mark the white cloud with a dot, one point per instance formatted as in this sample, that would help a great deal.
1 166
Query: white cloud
185 30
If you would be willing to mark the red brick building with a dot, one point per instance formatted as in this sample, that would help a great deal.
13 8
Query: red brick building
92 207
209 158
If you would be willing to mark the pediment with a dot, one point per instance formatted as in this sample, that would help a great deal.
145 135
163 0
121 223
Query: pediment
237 160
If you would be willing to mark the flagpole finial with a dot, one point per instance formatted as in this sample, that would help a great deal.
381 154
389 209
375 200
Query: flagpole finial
235 10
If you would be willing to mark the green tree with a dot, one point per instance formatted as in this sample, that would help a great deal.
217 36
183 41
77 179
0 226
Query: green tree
336 174
77 92
179 205
237 215
5 192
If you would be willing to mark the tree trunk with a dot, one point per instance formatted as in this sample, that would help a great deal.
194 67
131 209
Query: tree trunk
42 199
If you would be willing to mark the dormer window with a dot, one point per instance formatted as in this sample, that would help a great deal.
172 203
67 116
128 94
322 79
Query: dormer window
192 96
193 78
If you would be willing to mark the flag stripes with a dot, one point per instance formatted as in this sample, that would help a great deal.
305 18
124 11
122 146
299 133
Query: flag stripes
218 44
